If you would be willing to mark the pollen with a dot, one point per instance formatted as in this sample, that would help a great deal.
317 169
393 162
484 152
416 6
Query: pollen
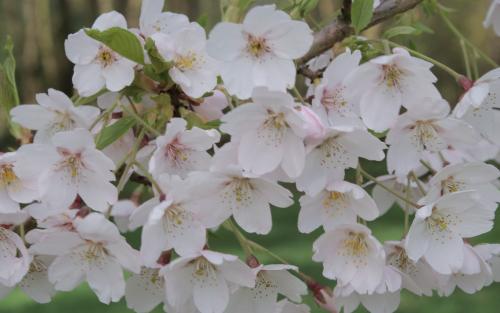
355 244
73 163
257 46
106 56
175 214
332 198
186 62
203 269
450 185
392 75
94 251
7 175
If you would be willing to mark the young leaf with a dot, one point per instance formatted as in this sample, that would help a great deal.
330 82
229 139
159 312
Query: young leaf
361 14
113 132
120 40
400 30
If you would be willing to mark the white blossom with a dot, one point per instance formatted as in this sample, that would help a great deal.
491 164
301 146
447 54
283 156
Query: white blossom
260 51
438 228
96 65
54 112
351 255
385 83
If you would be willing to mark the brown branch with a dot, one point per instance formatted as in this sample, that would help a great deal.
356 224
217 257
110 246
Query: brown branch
340 28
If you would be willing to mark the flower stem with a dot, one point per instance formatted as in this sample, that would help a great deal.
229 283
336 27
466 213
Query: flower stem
465 53
422 56
389 190
243 241
141 121
407 208
146 174
129 160
417 181
460 36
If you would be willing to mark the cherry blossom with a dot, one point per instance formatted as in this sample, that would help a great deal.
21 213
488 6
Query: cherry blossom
493 17
260 51
424 127
385 299
332 99
475 176
270 132
339 149
68 166
205 277
474 274
55 112
340 203
212 106
385 83
145 290
36 283
271 280
182 150
16 186
14 257
96 65
491 254
230 191
438 228
152 20
351 255
96 252
192 69
172 223
417 277
480 105
385 200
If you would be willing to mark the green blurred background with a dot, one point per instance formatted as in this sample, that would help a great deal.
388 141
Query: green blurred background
39 28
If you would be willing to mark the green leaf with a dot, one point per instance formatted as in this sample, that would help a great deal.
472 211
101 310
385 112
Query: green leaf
361 14
121 41
400 30
113 132
159 63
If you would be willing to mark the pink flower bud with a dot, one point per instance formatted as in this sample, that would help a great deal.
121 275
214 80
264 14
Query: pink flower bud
211 107
313 125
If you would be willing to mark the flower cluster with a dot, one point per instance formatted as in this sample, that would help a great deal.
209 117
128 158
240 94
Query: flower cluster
204 135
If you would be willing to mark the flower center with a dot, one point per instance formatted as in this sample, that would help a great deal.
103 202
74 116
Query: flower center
203 268
355 244
105 56
257 46
7 175
450 185
95 250
186 62
37 266
63 121
392 75
175 214
438 222
426 136
332 198
334 100
241 189
276 120
174 151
